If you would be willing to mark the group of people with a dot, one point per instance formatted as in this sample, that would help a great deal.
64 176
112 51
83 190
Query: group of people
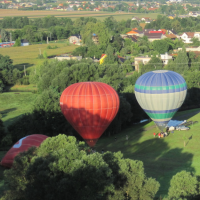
161 134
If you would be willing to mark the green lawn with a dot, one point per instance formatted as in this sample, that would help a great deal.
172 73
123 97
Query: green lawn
162 157
14 104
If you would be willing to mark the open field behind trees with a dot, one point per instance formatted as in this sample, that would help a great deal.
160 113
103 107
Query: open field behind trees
163 157
73 15
27 55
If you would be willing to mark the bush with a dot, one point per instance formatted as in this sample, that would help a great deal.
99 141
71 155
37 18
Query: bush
183 185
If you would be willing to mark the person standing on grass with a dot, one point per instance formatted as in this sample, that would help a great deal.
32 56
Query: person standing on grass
127 137
154 134
159 135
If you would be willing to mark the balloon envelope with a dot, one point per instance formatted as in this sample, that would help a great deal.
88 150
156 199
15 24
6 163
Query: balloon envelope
22 145
160 93
89 107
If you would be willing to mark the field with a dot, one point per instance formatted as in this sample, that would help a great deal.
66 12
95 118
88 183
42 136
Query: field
27 55
73 15
162 157
14 104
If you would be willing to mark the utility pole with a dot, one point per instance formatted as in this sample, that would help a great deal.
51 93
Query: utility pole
50 36
10 37
24 70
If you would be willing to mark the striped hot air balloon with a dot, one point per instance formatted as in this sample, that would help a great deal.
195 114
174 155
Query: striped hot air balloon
160 93
89 107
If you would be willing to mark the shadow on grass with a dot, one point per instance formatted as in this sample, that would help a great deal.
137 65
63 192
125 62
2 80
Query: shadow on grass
160 161
4 113
21 66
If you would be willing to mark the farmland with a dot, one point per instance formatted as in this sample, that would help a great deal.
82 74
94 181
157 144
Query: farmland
73 15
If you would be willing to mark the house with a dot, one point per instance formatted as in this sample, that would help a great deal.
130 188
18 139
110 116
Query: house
140 33
80 8
146 19
24 42
172 32
194 49
96 9
95 38
134 38
154 36
152 9
194 13
147 30
132 33
186 37
69 9
171 36
6 44
165 58
171 16
197 35
67 57
73 39
141 59
163 30
157 32
136 18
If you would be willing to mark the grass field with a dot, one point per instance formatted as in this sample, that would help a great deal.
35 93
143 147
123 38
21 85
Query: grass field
27 55
73 15
162 157
14 104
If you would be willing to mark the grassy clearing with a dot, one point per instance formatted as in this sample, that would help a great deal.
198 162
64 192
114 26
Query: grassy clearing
23 88
15 104
27 55
162 157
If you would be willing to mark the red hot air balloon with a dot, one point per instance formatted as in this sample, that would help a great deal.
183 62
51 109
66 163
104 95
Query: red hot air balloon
22 145
89 107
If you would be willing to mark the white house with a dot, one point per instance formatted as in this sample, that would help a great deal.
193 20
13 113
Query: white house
75 39
187 36
24 42
165 58
197 35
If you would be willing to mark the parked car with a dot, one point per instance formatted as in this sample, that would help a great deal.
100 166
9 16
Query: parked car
182 128
171 128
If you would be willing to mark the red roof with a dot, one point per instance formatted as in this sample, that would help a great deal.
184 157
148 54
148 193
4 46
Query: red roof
157 32
103 55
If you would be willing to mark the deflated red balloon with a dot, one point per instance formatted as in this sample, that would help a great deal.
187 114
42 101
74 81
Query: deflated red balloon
22 145
89 107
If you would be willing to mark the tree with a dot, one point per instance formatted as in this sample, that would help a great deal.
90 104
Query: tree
62 168
183 185
182 61
17 42
111 58
2 129
161 46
